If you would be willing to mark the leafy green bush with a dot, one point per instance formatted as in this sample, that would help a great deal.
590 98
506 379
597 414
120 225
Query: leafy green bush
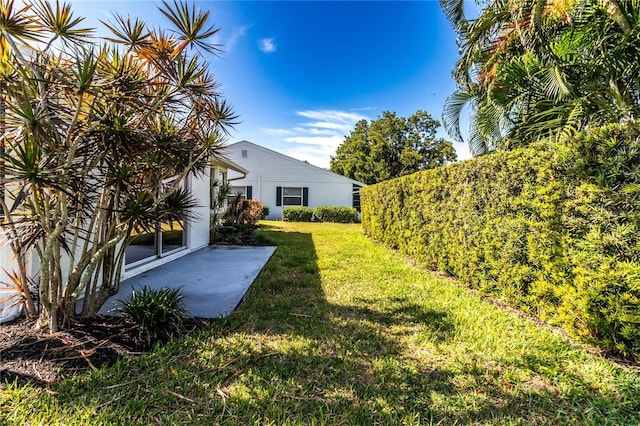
336 214
265 212
158 313
297 214
553 228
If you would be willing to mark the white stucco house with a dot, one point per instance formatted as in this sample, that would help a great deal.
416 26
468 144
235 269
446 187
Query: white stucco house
279 181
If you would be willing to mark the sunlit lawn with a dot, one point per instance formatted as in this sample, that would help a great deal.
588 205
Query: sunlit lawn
340 330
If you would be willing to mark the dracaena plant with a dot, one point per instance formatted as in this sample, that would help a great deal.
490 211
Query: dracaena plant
92 131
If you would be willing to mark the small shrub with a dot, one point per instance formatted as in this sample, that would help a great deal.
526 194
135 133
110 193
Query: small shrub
265 212
157 313
242 213
336 214
297 214
254 212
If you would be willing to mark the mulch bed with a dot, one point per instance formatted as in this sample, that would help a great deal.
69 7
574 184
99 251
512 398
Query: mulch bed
28 355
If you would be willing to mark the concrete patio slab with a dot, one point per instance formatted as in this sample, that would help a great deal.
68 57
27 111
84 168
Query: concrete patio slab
213 280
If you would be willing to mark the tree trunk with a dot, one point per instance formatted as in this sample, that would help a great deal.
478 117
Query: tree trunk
24 279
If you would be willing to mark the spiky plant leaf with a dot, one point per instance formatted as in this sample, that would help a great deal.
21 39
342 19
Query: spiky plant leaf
129 31
191 26
18 23
59 19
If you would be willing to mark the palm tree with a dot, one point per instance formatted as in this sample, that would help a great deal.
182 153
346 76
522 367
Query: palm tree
533 69
98 138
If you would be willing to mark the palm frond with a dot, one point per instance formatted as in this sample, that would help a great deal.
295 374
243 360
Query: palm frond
193 76
18 24
223 116
61 21
555 84
132 33
485 134
191 25
617 14
454 11
7 62
178 206
451 112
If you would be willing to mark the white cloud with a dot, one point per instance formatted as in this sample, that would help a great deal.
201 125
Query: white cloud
313 131
326 141
328 131
363 109
331 115
316 141
279 132
318 156
229 43
236 34
267 45
342 127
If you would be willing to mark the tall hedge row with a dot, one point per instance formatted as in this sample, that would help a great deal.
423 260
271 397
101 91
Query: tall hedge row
552 228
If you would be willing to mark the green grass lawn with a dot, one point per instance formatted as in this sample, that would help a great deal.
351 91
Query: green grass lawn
340 330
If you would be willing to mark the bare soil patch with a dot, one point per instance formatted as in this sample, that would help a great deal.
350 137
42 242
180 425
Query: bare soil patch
28 355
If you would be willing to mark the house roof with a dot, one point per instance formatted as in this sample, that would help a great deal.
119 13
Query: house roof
301 163
229 164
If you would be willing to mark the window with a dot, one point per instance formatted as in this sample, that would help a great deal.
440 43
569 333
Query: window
244 191
244 153
237 190
292 196
157 240
355 198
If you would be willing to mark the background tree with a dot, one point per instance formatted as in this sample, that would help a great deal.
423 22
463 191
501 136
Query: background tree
390 147
531 69
98 136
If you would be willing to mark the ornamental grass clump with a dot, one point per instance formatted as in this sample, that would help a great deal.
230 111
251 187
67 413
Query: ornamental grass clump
159 314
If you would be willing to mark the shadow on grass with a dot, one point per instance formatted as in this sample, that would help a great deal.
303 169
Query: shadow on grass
288 355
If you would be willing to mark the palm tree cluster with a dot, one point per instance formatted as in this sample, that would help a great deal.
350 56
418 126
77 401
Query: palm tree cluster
530 69
97 136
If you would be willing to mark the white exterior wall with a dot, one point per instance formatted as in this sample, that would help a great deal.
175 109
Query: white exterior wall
269 169
197 237
198 228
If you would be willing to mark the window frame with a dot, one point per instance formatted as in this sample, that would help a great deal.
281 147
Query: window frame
285 196
159 248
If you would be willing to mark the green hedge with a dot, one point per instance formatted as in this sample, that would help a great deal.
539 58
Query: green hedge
297 214
336 214
552 228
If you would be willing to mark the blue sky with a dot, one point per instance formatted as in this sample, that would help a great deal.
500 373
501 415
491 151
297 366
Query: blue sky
300 74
